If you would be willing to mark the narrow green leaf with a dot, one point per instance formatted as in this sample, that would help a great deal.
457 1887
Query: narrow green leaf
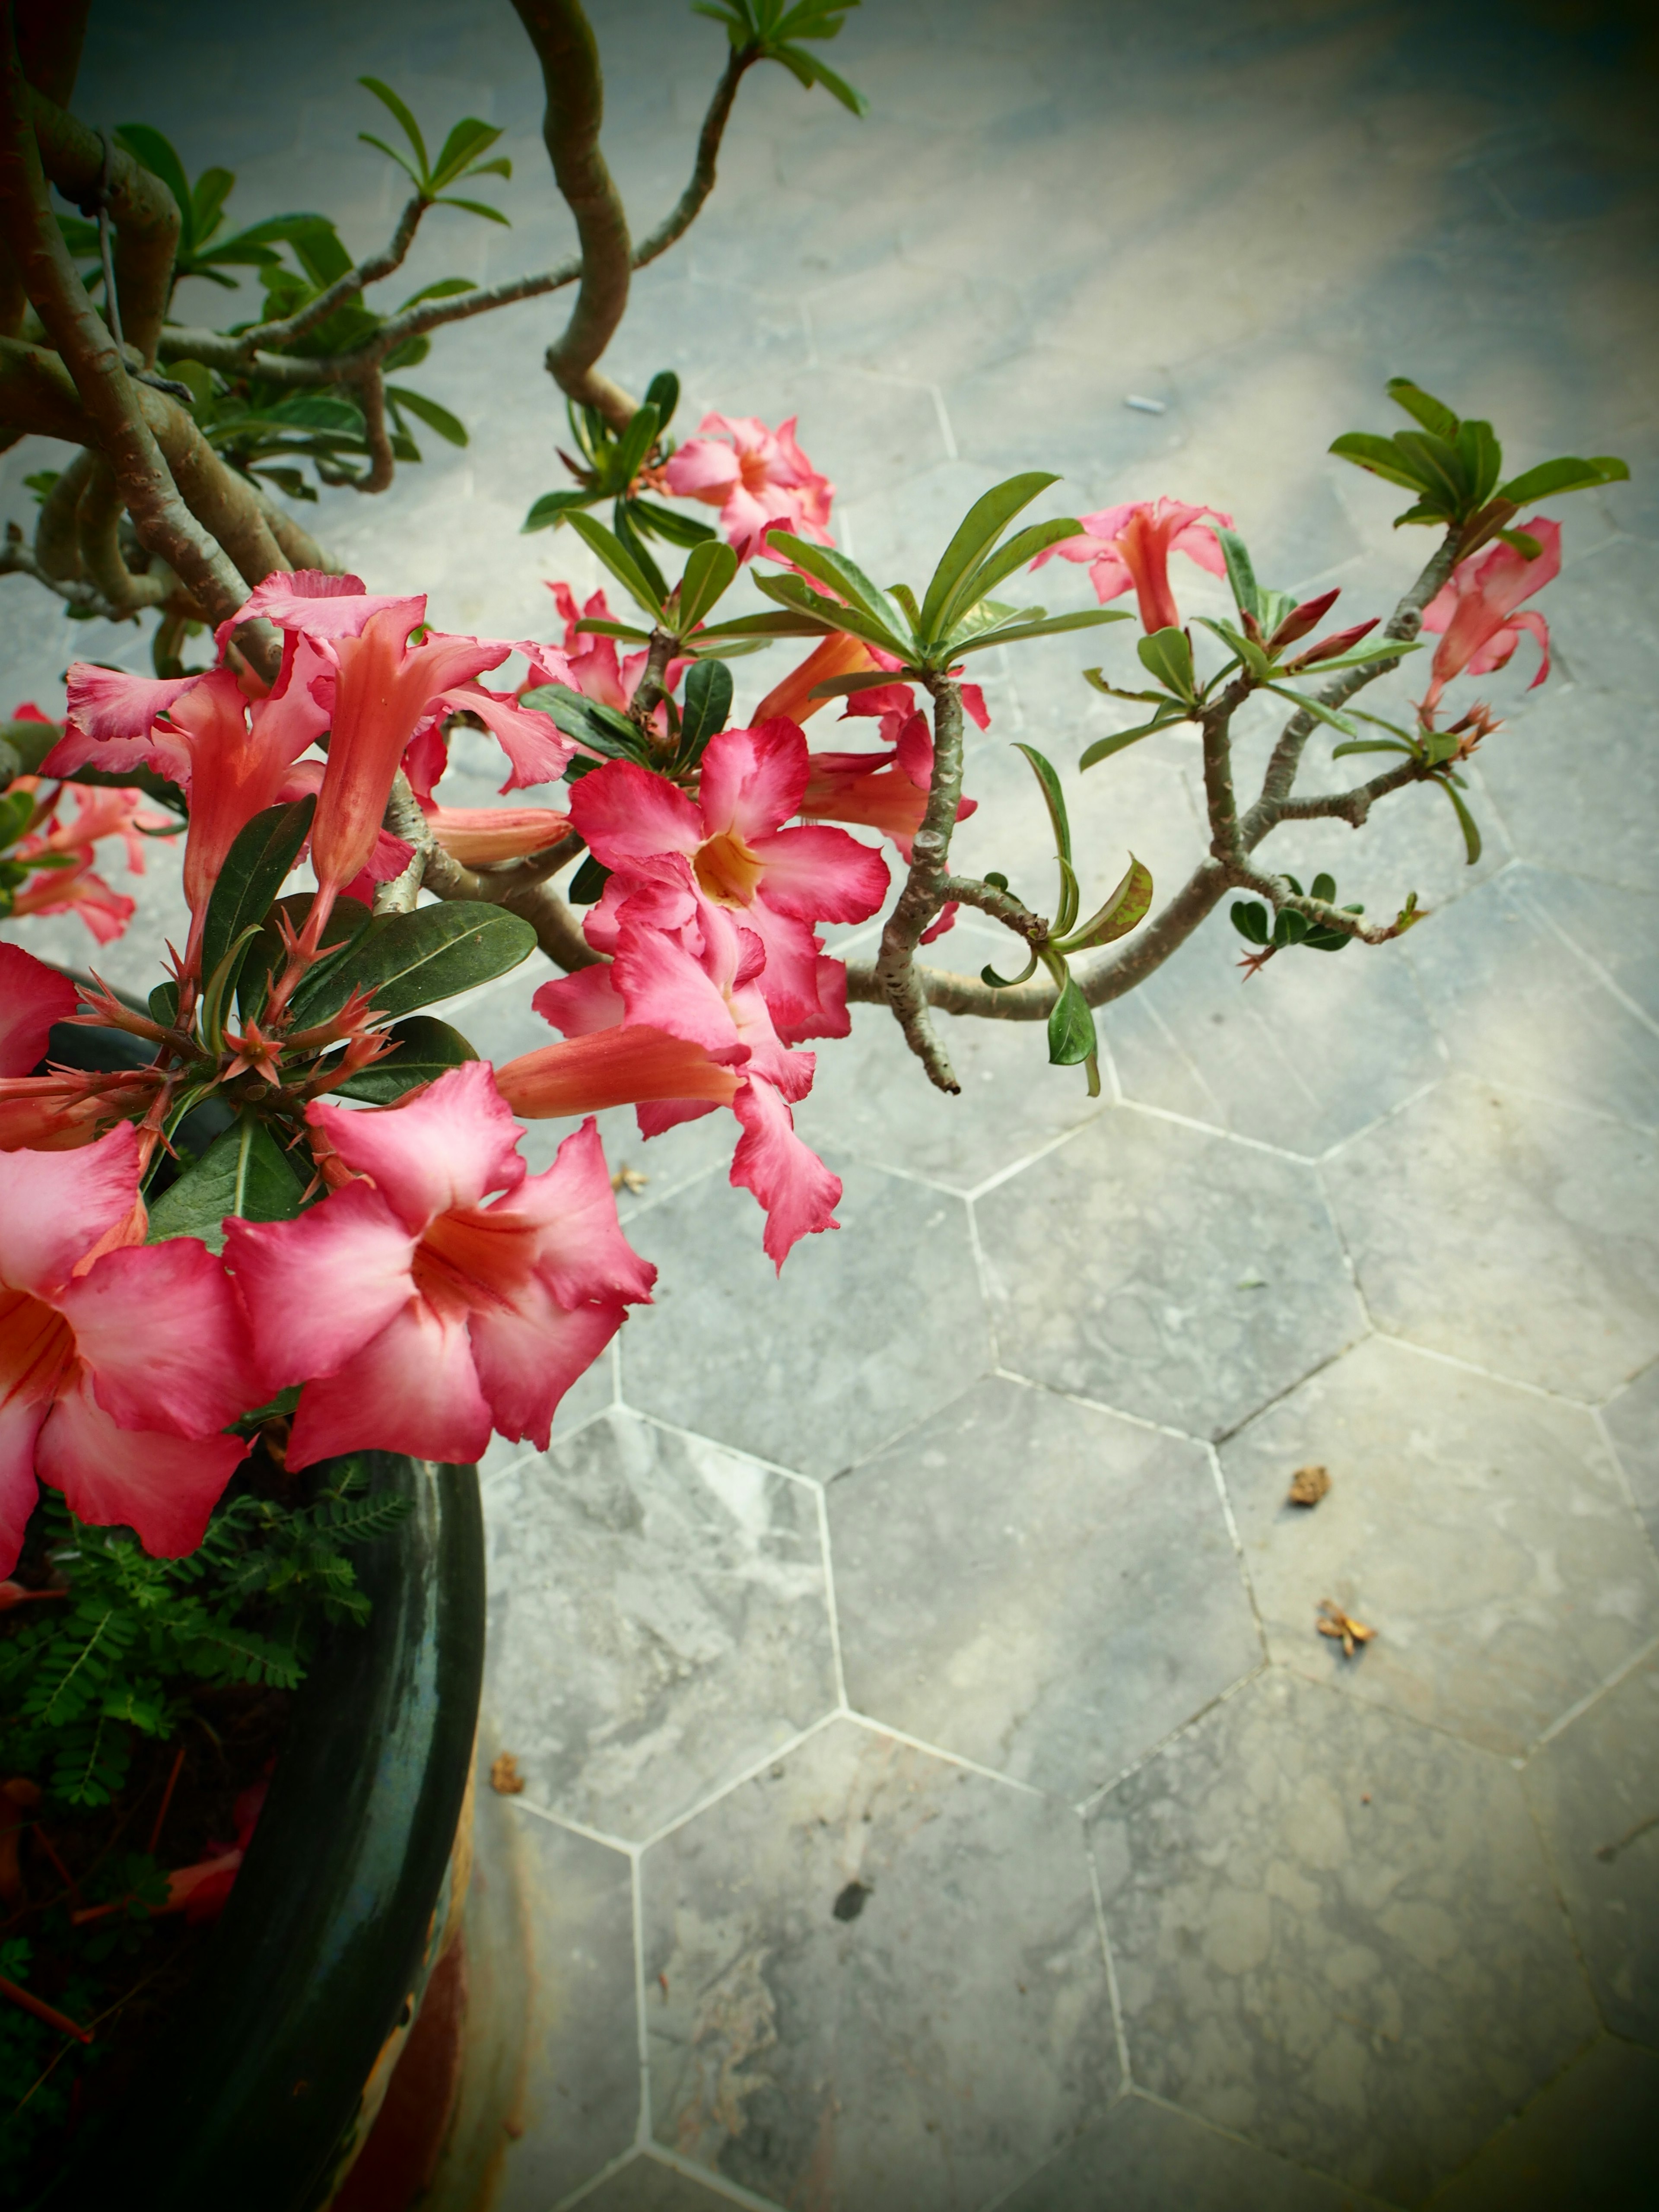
1240 572
843 687
975 534
1382 457
1568 474
1103 748
1016 633
553 507
264 850
1372 745
707 703
1433 414
368 138
1482 457
636 443
1021 549
1126 907
1072 1038
161 157
828 614
1381 648
634 545
1167 654
427 1047
1312 706
1466 821
468 140
832 567
615 556
429 412
1241 648
588 720
664 522
409 960
245 1172
587 884
796 623
708 575
1442 470
411 128
663 393
1054 798
475 207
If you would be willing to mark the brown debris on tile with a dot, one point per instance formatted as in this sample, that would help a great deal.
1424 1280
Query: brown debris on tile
504 1776
629 1179
1307 1485
1338 1624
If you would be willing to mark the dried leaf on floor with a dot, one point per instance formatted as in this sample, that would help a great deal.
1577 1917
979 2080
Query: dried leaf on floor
1307 1485
1338 1624
629 1179
504 1775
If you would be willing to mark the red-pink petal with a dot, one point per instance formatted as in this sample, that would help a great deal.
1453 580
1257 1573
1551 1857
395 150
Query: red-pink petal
788 1178
751 780
581 1251
107 702
20 1425
664 988
630 815
318 1288
412 1387
527 1360
702 469
54 1207
539 753
820 874
32 998
163 1336
577 1004
447 1147
161 1487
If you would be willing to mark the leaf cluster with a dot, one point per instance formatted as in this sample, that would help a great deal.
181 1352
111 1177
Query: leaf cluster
1256 926
121 1655
460 158
619 465
771 31
1453 468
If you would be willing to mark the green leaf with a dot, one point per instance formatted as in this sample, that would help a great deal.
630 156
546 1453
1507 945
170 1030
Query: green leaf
1372 745
164 1003
1250 918
1054 798
409 960
1071 1039
1382 456
587 884
1240 572
615 556
663 393
796 623
635 444
160 158
1433 414
1241 648
1466 821
707 703
1167 654
429 412
708 575
348 919
1441 472
212 189
553 507
1015 632
1482 457
586 719
475 207
977 532
663 522
1122 912
466 142
821 73
843 687
411 128
1103 748
447 288
1312 706
1568 474
265 849
245 1172
1021 549
426 1048
1380 648
827 615
1323 888
842 575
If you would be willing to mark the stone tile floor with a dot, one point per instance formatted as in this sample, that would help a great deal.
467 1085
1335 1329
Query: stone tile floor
939 1797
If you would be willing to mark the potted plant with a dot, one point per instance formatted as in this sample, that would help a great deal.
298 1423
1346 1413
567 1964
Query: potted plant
292 1245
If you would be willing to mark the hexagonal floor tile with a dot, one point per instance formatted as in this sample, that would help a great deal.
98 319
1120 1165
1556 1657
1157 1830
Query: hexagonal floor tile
1037 1586
1481 1529
577 2104
1334 1933
876 1981
1145 2157
1632 1422
645 2185
1509 1231
1599 820
1173 1273
1596 1790
657 1620
1308 1052
1514 1001
1587 2143
868 1328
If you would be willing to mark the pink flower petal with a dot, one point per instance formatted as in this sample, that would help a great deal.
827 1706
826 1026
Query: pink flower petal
702 469
163 1335
32 998
630 817
581 1251
788 1178
318 1288
530 738
579 1005
820 874
446 1147
752 780
325 606
527 1359
20 1425
161 1486
664 987
54 1207
412 1387
107 702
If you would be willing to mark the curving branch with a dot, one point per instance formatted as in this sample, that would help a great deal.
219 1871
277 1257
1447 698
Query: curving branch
57 544
141 208
49 34
98 528
305 319
80 598
383 464
688 207
924 893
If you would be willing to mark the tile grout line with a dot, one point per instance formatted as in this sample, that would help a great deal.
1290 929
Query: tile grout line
873 1727
1591 1697
1125 2072
831 1608
1221 1480
780 1751
1083 1807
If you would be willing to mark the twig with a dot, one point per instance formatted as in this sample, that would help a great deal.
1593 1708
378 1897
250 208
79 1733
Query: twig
519 889
27 2001
686 208
383 466
305 319
923 894
81 599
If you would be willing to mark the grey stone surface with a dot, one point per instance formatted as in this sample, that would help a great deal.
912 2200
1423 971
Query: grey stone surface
1037 1586
644 2184
1145 2157
1595 1791
889 1305
1479 1528
657 1620
578 2102
1508 1231
1517 1002
1587 2143
1334 1933
875 1981
1166 1272
1632 1421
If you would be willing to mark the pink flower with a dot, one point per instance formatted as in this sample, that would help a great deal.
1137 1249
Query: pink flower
1474 609
885 791
1127 546
418 1317
761 479
80 889
476 836
779 881
32 998
119 1362
685 970
839 654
